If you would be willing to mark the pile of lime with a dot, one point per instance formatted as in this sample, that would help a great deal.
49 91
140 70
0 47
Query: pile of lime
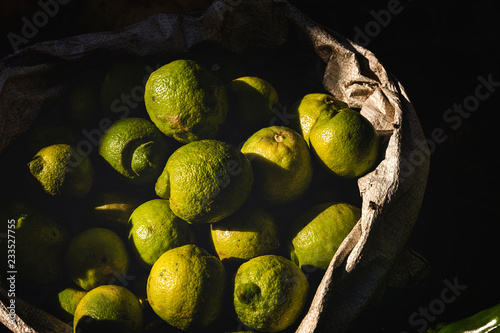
187 204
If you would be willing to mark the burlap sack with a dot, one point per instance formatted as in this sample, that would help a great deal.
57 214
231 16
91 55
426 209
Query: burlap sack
372 255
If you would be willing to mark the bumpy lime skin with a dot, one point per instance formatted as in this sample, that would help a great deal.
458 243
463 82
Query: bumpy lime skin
205 181
248 233
186 101
109 308
317 233
307 110
62 170
282 164
186 286
345 142
96 257
136 149
155 229
270 293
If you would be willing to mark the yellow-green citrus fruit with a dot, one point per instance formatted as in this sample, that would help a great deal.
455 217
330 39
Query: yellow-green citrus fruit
107 309
251 102
319 231
69 299
282 164
63 302
307 110
33 245
269 293
186 101
155 229
248 233
345 142
62 170
95 257
205 181
136 149
185 287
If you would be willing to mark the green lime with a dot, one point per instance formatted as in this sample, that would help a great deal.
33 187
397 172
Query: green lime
95 257
205 181
69 299
345 142
186 101
63 302
281 162
319 231
307 110
155 229
185 287
248 233
136 149
108 308
62 170
34 243
269 293
251 102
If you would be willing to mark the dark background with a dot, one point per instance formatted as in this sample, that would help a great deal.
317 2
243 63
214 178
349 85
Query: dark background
438 50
